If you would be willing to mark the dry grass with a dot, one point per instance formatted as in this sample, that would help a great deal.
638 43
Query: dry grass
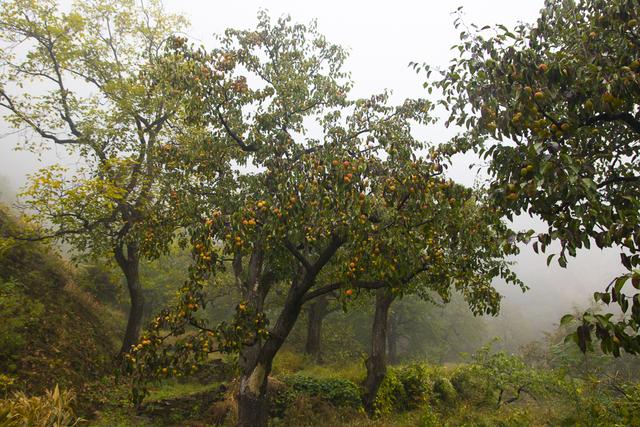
53 409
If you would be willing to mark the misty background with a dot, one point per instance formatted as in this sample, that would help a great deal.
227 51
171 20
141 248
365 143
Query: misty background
383 37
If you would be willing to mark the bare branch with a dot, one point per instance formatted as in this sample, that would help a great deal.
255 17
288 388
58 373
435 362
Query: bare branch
10 105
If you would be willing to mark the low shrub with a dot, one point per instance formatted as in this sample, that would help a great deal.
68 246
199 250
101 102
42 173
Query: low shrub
472 385
339 393
390 395
444 391
417 382
404 388
500 378
628 409
429 418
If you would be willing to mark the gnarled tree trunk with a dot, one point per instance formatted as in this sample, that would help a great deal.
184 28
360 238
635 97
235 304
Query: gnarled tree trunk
317 313
377 362
129 263
253 410
252 400
257 359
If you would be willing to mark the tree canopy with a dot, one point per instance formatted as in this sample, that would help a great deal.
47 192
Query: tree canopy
337 199
99 85
553 106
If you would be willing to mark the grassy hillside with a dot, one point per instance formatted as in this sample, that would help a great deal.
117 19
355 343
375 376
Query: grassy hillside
52 332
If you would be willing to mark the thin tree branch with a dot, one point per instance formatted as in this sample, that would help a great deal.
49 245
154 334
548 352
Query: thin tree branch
296 253
243 146
626 118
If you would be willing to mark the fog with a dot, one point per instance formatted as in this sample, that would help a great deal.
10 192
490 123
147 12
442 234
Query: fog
383 37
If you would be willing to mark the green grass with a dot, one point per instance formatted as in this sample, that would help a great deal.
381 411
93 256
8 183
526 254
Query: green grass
172 389
41 344
556 408
288 362
120 417
120 413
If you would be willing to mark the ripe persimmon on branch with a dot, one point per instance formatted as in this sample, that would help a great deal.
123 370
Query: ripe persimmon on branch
554 106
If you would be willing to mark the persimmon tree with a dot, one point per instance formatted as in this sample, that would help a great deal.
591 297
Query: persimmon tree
100 87
333 180
553 106
458 244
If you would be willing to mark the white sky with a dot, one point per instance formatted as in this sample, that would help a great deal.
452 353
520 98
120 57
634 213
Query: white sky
383 37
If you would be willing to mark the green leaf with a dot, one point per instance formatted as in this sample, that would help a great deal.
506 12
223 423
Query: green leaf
566 319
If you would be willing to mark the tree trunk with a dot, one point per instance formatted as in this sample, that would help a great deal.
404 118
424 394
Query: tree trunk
253 409
392 340
256 360
252 400
130 266
317 313
377 362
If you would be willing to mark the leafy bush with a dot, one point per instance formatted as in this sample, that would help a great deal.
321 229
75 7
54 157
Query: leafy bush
335 391
390 395
51 410
507 377
429 418
628 409
417 383
592 402
444 391
472 385
404 388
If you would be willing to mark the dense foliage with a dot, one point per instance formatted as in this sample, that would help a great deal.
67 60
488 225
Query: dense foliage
554 107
